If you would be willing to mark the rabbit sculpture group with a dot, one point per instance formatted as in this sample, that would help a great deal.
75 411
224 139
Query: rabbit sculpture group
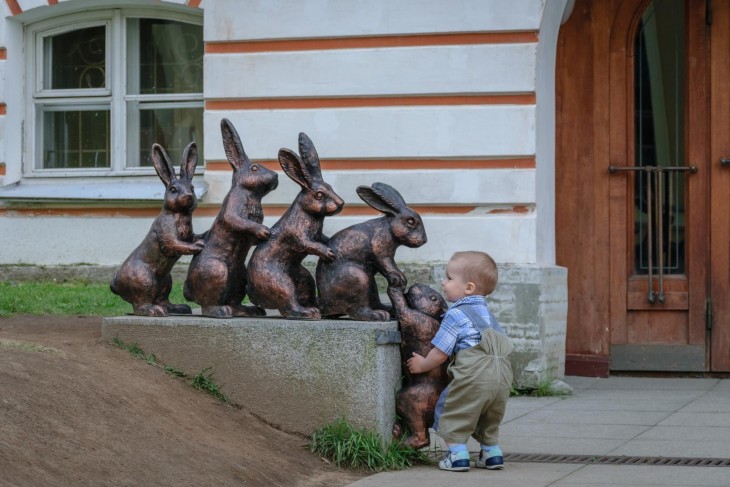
218 279
218 276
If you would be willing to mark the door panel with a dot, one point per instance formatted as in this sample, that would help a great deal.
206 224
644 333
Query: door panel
720 190
658 276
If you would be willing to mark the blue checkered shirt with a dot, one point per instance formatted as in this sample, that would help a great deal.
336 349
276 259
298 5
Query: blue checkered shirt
457 332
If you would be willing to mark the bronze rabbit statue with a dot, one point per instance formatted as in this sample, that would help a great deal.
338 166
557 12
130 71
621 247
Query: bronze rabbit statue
346 284
276 277
217 275
144 278
419 315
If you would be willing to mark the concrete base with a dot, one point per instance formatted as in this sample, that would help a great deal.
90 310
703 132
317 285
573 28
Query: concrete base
531 303
296 375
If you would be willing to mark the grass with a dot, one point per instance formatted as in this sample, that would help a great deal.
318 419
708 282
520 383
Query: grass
73 298
28 347
175 371
135 350
205 383
542 389
359 449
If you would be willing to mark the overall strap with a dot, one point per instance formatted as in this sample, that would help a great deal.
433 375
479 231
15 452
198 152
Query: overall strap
480 323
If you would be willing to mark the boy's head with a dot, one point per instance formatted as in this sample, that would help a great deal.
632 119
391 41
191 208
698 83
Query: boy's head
469 273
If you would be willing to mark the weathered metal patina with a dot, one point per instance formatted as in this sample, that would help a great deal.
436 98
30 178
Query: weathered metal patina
276 277
346 283
419 315
217 275
144 278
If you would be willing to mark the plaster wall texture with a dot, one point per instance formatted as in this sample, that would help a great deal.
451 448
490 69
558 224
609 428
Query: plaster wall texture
332 18
296 375
107 241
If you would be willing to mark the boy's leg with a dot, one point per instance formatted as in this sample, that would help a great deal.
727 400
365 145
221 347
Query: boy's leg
487 432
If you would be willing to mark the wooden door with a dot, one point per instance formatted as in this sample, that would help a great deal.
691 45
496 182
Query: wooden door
659 165
653 103
719 174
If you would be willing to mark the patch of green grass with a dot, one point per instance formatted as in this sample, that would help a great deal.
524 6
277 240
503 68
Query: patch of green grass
174 371
28 347
78 298
134 349
543 389
359 449
205 383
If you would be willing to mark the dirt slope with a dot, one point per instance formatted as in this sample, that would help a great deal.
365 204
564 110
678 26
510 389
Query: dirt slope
87 413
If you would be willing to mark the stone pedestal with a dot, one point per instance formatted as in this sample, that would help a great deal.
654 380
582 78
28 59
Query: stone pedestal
296 375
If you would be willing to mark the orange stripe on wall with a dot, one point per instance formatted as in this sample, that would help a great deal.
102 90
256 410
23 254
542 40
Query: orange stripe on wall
212 211
3 109
368 101
2 169
14 7
371 42
3 53
52 2
194 3
397 164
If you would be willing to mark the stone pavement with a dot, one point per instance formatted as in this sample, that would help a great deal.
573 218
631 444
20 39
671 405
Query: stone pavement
618 416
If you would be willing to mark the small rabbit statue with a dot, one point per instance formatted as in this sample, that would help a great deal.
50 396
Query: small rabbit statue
144 279
419 314
217 275
276 277
346 284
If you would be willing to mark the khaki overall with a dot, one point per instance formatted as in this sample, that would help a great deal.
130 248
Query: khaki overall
481 379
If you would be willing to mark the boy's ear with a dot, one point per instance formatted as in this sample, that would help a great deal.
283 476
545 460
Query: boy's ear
470 288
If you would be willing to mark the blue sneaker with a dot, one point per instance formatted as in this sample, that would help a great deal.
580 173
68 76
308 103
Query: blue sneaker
455 461
491 460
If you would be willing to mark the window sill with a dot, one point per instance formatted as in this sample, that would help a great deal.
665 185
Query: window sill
89 191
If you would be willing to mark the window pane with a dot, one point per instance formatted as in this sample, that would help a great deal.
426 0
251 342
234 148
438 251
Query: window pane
171 57
76 59
76 139
659 90
172 128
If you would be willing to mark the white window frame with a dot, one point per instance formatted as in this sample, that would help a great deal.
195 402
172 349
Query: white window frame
114 95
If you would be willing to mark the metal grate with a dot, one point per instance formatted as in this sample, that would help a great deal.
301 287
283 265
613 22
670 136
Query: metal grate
617 460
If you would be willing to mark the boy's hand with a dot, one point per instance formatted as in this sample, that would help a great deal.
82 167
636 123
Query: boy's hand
415 364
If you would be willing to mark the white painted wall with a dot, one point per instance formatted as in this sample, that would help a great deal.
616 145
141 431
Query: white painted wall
378 133
486 69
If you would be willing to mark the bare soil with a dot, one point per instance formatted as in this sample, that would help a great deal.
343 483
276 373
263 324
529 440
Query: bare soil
83 412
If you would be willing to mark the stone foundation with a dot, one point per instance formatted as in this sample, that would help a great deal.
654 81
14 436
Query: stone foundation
531 303
295 375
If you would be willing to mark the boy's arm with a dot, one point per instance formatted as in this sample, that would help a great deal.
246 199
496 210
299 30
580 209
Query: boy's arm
418 364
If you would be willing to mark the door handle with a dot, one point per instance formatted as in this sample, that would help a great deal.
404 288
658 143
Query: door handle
725 162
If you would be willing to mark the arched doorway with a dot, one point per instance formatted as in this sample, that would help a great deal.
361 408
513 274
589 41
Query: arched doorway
640 189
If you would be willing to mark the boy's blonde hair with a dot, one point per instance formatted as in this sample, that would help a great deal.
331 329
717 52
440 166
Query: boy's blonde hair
479 268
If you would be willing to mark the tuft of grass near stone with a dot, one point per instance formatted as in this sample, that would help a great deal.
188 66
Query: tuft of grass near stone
70 298
543 389
359 449
175 371
203 381
135 350
206 384
28 347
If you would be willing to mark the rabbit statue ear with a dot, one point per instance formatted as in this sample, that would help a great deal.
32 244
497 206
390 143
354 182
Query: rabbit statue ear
294 168
232 145
309 156
162 164
382 197
189 161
